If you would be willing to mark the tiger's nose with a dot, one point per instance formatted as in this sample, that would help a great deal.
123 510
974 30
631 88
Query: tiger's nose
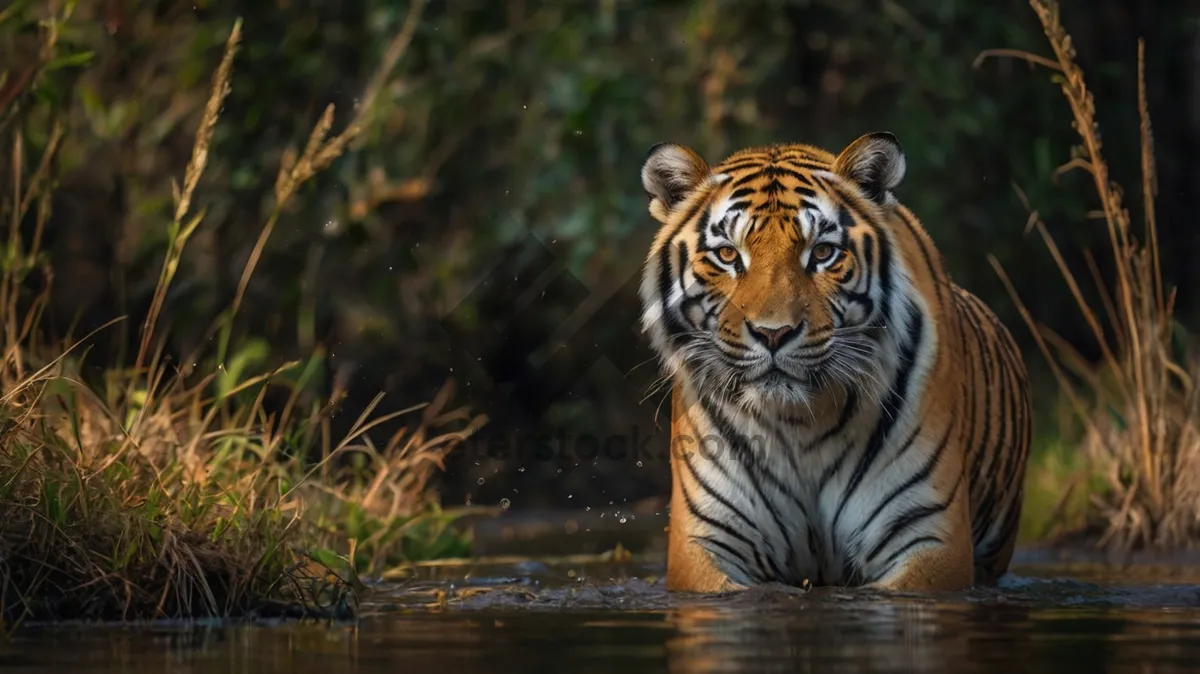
773 338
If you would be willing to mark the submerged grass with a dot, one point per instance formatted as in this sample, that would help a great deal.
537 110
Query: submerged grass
163 491
1138 406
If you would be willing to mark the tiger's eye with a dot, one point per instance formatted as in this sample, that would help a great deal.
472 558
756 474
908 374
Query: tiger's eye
822 252
727 254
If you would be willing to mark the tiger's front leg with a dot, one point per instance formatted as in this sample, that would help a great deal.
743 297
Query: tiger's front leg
941 566
690 568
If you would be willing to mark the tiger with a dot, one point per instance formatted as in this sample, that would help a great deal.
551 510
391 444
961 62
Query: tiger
843 414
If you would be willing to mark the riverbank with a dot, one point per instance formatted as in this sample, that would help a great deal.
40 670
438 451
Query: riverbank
200 485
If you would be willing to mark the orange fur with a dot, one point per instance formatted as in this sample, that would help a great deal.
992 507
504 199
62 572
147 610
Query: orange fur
854 480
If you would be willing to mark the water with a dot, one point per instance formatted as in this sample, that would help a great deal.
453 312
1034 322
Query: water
1048 616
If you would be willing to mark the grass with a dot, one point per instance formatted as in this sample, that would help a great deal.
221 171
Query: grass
1140 446
160 491
164 491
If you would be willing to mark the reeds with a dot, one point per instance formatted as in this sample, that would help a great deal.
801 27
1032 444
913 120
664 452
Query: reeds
1140 411
163 492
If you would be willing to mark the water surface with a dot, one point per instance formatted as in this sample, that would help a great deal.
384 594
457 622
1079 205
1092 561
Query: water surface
1049 615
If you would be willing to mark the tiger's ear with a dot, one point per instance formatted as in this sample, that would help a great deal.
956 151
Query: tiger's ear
670 172
876 162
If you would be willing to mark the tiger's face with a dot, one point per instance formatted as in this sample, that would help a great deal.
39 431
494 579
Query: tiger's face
769 277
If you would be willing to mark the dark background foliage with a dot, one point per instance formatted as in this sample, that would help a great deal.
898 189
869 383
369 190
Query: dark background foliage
518 128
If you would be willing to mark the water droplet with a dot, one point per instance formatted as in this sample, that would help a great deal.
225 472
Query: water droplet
639 464
521 469
622 520
479 481
505 503
570 496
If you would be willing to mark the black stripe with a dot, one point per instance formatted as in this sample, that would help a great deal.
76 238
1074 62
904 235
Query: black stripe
861 299
839 314
913 515
895 556
739 205
801 164
708 489
923 244
805 191
831 470
852 574
846 220
747 179
898 395
673 326
1015 454
740 445
743 165
724 528
917 478
979 444
776 171
682 260
730 556
983 516
1012 520
849 407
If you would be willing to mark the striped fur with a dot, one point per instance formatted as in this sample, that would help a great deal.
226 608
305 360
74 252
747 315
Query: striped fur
842 413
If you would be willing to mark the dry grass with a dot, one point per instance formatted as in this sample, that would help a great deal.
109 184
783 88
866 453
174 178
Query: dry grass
1139 404
167 492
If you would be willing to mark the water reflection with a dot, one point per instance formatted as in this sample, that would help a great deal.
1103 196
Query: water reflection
819 634
632 626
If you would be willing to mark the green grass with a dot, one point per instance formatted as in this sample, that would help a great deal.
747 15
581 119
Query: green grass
1056 491
159 491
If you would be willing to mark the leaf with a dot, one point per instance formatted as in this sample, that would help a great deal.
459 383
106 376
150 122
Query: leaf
80 59
253 351
14 10
337 565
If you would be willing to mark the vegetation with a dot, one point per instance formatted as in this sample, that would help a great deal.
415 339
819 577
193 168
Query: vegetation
1141 442
178 354
172 489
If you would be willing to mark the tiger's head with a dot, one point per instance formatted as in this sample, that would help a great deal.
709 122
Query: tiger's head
769 279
